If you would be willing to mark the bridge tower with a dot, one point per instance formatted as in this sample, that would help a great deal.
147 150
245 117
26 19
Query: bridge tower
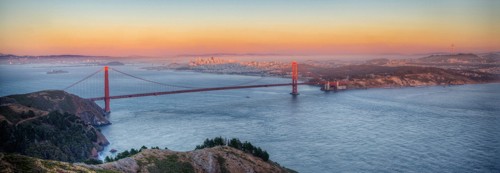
295 78
106 90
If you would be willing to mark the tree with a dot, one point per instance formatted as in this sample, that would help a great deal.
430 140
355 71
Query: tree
133 151
108 159
235 143
219 141
257 152
92 162
247 147
265 156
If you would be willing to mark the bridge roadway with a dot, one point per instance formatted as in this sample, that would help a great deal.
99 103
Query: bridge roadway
197 90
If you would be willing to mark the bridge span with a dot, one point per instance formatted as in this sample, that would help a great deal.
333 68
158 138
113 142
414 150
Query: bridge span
198 90
107 97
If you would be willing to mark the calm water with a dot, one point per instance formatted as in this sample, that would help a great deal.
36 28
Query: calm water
429 129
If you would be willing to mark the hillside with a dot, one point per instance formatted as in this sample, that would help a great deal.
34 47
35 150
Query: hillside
221 159
44 125
42 102
456 58
208 160
492 57
10 163
369 76
54 136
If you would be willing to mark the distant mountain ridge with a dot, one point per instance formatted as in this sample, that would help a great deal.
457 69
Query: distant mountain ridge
229 54
52 56
460 58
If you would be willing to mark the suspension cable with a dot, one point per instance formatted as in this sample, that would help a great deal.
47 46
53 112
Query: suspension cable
159 83
82 80
252 81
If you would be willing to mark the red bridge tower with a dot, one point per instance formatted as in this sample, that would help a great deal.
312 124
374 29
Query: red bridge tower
106 90
295 77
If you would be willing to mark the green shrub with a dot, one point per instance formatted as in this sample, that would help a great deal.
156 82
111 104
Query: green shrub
209 143
237 144
92 161
125 154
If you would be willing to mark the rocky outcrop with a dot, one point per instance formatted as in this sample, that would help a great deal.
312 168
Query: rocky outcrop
57 100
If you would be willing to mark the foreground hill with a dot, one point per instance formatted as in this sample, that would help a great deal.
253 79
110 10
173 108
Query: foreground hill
44 125
208 160
220 159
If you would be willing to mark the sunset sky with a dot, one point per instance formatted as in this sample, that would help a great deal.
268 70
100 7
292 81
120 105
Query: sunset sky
164 28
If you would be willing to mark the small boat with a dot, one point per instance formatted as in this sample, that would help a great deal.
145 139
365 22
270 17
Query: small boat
113 150
247 97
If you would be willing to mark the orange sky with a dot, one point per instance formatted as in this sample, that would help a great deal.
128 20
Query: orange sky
158 28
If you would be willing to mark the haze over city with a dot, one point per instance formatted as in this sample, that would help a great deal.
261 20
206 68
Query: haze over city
167 28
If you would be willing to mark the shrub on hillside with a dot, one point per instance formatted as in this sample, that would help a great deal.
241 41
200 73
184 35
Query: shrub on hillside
237 144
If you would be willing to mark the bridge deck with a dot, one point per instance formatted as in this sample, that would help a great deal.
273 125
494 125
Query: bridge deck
196 90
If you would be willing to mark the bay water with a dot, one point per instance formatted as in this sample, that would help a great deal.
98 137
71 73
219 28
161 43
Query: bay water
421 129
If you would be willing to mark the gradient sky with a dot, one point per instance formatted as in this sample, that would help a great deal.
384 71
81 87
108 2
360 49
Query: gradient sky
163 28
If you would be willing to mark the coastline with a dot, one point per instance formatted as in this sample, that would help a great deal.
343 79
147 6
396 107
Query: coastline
349 87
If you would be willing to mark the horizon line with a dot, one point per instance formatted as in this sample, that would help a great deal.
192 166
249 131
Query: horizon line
250 54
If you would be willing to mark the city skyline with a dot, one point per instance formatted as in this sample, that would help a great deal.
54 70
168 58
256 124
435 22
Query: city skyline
160 28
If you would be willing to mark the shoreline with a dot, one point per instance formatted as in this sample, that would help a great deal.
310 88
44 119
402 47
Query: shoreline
349 88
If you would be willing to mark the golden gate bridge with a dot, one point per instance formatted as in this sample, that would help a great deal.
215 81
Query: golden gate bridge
183 89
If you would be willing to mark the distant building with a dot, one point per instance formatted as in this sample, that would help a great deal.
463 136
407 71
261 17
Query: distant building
334 86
